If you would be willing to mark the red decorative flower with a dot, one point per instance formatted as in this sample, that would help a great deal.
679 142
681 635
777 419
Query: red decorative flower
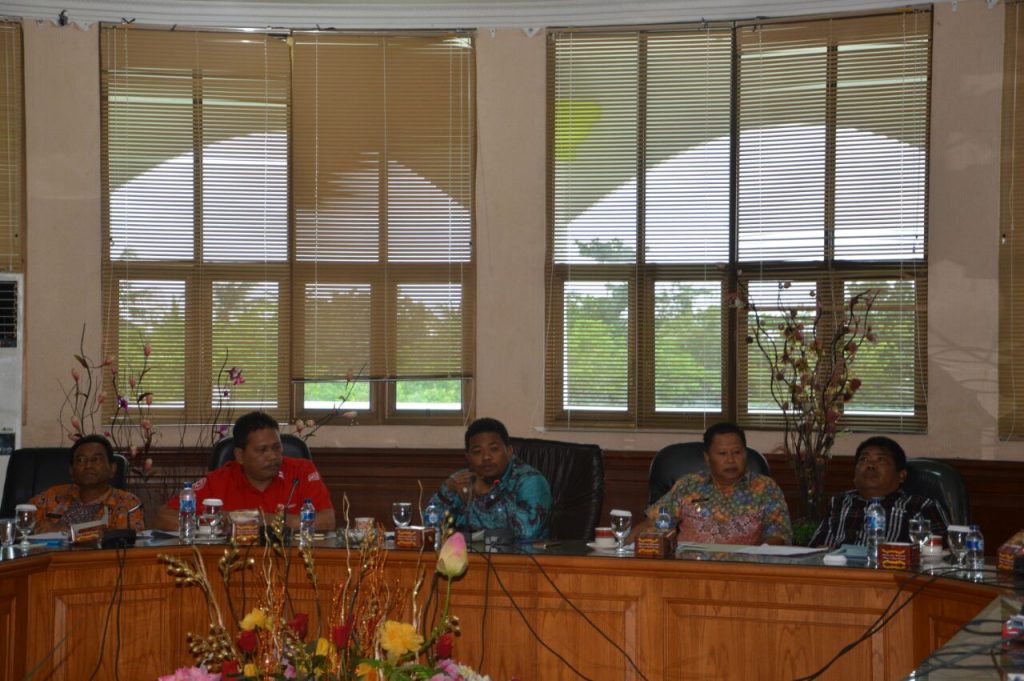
444 646
247 640
341 632
229 667
300 625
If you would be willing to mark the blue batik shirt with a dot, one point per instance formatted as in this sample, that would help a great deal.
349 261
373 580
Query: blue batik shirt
521 500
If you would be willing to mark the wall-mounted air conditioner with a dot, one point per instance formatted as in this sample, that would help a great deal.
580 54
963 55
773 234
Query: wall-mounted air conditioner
11 355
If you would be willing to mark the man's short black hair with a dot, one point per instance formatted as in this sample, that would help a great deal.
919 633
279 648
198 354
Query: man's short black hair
723 428
249 423
486 425
98 439
899 457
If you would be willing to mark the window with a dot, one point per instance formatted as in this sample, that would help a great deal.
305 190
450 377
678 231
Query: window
274 203
11 149
688 162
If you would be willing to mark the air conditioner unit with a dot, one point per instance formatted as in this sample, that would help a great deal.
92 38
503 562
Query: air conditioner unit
11 355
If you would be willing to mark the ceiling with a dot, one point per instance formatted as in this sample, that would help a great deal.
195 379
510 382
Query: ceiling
395 14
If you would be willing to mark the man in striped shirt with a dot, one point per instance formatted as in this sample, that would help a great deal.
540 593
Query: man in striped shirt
879 468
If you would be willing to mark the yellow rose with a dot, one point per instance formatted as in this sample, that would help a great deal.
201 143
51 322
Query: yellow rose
323 647
251 670
366 672
399 638
256 618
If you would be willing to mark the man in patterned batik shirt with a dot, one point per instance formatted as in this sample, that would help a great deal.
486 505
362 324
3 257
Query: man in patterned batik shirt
497 490
89 496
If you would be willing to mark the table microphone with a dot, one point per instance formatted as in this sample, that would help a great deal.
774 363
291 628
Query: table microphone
285 530
119 539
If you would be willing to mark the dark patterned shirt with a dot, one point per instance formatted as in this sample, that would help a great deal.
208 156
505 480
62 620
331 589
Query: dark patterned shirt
521 500
845 521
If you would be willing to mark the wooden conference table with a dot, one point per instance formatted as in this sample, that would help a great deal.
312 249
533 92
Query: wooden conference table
699 616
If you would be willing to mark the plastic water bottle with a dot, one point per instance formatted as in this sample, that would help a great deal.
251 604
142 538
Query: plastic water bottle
664 519
187 525
874 529
307 519
975 558
432 517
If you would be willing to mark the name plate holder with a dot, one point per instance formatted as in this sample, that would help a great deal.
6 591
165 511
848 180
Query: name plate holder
414 537
657 543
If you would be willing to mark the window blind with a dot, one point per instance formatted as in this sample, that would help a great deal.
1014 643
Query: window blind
687 162
833 132
11 149
1011 254
639 163
195 184
383 187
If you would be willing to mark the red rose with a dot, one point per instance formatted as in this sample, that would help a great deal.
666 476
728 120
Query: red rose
247 641
445 645
227 668
300 625
341 632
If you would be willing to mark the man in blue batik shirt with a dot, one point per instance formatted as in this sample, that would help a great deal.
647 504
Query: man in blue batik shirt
497 490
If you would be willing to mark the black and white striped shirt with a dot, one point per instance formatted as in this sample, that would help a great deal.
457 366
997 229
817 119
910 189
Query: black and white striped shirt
845 521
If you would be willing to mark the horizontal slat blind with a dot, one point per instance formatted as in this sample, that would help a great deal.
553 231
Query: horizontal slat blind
658 211
195 179
383 184
833 121
1011 252
640 225
12 136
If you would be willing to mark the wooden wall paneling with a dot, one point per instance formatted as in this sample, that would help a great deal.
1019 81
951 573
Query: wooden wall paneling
373 478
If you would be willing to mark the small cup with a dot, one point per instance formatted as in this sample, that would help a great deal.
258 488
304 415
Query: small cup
932 547
364 523
7 532
603 537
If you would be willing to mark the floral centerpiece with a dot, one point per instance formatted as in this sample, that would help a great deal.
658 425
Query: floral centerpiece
373 631
113 398
810 356
130 427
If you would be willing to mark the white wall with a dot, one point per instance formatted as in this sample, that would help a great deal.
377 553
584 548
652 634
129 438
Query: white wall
63 238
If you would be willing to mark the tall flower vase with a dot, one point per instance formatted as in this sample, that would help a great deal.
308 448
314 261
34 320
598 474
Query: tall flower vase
810 468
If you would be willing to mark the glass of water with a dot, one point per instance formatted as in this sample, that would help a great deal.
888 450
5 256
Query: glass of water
622 523
24 522
401 513
956 535
920 528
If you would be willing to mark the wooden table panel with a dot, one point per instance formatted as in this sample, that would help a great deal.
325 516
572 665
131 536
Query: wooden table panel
677 619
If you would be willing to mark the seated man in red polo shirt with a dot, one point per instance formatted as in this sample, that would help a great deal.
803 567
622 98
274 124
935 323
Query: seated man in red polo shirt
260 477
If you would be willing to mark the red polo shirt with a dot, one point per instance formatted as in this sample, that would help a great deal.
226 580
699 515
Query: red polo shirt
229 484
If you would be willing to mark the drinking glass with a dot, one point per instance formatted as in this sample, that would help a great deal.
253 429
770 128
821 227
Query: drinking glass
25 522
957 537
401 513
920 528
622 522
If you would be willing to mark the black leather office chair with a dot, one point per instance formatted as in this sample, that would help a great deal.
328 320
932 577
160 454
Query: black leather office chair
224 450
675 461
33 469
940 481
575 474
